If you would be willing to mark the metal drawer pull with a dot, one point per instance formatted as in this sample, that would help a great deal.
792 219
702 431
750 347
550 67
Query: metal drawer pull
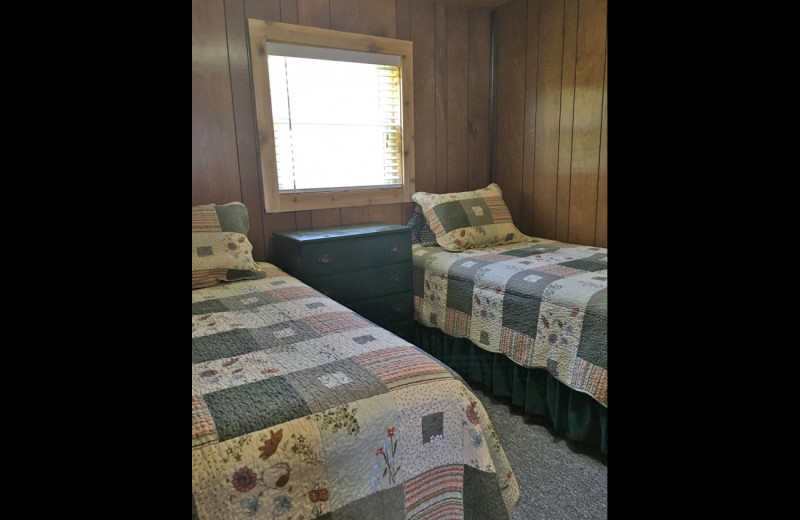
398 307
396 278
325 259
395 248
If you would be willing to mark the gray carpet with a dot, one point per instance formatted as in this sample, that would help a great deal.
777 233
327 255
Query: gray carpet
559 479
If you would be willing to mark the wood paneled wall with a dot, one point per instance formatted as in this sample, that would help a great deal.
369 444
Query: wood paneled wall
551 117
451 91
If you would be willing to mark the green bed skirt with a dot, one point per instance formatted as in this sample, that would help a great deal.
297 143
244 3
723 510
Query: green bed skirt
575 414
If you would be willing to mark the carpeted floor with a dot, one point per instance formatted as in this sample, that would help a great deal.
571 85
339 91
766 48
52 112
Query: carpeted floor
559 479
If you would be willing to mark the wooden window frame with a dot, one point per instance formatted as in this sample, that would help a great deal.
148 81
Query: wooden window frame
261 32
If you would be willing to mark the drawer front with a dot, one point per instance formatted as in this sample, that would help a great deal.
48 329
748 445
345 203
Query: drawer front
366 284
354 254
387 309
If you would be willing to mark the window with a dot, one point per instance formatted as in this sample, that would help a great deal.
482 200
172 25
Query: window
335 117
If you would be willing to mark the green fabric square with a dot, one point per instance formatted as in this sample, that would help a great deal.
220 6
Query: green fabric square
240 410
477 212
483 499
452 215
335 384
432 427
233 217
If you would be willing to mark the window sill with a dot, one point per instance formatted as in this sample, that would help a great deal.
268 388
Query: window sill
339 199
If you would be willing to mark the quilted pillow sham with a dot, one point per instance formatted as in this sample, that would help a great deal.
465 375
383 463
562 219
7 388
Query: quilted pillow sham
221 251
421 232
469 219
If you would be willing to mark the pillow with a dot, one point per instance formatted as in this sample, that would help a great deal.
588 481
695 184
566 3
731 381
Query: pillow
221 251
469 219
421 232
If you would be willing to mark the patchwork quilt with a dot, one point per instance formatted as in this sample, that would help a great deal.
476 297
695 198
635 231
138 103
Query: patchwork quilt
302 409
543 304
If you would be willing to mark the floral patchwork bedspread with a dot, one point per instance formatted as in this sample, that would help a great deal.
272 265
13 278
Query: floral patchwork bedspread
543 304
302 409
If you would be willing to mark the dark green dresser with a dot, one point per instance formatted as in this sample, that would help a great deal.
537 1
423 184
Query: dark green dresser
366 267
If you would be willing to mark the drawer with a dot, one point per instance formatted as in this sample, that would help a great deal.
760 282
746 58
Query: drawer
387 309
366 284
355 254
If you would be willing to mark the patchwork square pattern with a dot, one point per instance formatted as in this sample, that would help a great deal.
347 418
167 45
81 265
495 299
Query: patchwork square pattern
469 219
432 427
542 304
334 379
421 232
335 321
295 413
311 385
240 410
449 216
447 484
402 366
221 251
477 211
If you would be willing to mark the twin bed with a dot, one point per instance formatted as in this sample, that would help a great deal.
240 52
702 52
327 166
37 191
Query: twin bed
526 320
526 317
303 409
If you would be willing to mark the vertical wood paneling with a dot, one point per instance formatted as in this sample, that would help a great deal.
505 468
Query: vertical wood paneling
406 209
355 215
587 120
422 31
263 10
345 15
276 222
457 98
246 140
601 235
379 18
548 114
478 88
529 151
451 117
564 175
215 163
565 179
403 21
289 11
440 57
269 10
303 219
390 213
326 217
511 58
314 13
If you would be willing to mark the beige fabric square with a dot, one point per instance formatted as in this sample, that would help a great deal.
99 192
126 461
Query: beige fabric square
221 251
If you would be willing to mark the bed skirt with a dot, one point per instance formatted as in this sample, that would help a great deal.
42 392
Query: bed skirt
573 413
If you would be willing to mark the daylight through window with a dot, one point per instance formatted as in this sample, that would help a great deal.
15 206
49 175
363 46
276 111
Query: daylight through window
335 117
337 123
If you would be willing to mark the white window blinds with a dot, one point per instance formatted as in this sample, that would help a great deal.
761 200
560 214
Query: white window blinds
337 118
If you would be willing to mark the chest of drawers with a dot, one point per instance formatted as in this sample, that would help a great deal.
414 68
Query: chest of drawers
366 267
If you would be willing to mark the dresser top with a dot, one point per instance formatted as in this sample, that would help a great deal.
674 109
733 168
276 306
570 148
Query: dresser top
349 231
